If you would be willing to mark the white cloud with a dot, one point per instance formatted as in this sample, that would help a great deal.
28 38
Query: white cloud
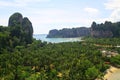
115 16
19 3
113 5
30 1
91 10
4 3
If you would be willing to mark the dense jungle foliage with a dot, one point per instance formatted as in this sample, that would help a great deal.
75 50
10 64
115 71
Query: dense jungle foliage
62 61
36 60
53 61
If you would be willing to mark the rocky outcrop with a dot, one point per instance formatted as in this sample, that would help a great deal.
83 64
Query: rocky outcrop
52 33
21 25
101 34
28 29
15 19
67 33
27 25
105 30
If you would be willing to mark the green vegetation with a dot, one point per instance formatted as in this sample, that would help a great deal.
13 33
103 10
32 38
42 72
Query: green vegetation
103 41
47 61
62 61
21 59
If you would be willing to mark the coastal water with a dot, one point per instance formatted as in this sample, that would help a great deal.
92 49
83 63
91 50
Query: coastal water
42 37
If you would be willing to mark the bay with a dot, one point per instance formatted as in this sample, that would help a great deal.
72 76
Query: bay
42 37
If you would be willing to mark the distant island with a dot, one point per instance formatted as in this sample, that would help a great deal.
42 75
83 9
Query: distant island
67 32
103 30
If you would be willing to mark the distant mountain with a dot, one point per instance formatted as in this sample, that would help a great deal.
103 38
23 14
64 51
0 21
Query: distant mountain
67 32
105 30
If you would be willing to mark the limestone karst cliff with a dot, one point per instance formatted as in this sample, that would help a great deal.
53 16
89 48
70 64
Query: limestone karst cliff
21 27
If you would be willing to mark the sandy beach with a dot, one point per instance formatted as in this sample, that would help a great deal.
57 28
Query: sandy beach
112 73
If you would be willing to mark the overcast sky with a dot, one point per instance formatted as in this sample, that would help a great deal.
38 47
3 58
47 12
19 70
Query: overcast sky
57 14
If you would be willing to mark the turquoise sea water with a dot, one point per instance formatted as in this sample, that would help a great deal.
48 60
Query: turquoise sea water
42 37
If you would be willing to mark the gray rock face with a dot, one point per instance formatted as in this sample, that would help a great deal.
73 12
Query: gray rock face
52 33
67 33
25 25
28 29
101 34
15 19
105 30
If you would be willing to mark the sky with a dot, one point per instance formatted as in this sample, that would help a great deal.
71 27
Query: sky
57 14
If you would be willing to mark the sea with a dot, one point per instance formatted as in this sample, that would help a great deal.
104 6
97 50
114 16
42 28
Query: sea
43 38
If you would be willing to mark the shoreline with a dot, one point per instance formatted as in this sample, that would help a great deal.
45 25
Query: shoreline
111 73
